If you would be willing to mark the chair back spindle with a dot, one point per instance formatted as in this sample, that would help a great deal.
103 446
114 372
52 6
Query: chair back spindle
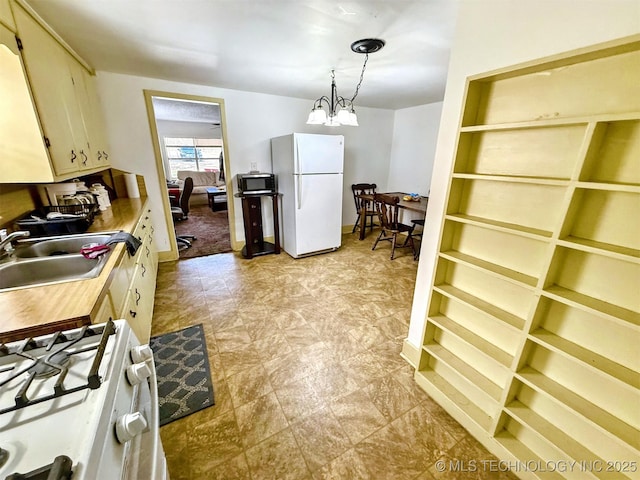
364 205
388 214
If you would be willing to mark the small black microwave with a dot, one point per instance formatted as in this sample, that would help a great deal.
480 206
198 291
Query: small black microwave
256 183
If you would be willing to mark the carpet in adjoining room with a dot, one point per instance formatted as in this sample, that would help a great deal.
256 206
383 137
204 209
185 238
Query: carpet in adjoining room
184 376
210 228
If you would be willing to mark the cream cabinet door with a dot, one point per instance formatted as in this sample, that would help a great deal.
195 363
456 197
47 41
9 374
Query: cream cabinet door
92 108
21 142
104 312
86 123
5 14
54 93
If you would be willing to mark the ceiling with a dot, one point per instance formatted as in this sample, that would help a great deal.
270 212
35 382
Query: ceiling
281 47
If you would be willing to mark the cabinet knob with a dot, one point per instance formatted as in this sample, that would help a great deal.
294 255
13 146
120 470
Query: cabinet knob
132 313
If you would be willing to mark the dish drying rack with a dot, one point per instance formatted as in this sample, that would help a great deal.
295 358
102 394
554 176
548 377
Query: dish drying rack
72 219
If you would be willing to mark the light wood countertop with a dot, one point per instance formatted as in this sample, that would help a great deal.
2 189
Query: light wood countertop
65 305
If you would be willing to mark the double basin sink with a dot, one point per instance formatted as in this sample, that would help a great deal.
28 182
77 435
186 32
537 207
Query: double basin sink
49 260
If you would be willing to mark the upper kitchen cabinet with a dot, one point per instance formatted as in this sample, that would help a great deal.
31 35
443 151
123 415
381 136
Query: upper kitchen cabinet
66 104
91 115
5 15
18 121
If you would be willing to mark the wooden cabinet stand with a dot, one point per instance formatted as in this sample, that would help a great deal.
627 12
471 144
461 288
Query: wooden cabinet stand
253 233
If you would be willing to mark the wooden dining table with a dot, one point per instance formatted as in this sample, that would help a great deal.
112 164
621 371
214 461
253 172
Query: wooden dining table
415 206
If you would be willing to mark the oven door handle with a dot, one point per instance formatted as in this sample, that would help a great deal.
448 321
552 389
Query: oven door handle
155 416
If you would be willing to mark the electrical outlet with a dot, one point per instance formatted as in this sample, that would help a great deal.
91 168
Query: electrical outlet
254 166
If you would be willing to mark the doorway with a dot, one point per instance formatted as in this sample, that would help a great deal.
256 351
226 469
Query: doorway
189 136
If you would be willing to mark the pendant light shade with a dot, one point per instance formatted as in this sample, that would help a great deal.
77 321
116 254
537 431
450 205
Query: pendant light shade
340 111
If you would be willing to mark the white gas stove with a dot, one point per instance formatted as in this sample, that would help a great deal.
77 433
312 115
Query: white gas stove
80 403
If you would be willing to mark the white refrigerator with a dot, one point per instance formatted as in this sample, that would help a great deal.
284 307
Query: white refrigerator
309 177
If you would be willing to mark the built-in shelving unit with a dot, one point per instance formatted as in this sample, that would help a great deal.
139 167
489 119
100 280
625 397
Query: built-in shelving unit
532 337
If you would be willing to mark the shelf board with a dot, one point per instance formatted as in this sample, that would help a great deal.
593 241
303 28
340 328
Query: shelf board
473 376
484 307
513 228
611 425
553 122
429 379
486 348
502 272
587 357
593 305
613 187
557 182
600 248
554 436
525 455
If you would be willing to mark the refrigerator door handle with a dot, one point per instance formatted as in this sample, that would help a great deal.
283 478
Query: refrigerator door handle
299 191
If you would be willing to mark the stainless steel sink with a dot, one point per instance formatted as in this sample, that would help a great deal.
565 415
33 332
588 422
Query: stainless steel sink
45 270
58 246
43 261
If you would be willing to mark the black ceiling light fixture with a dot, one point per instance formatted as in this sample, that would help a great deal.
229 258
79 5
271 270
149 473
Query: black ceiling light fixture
340 109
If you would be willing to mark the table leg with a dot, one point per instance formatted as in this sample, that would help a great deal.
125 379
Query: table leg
363 219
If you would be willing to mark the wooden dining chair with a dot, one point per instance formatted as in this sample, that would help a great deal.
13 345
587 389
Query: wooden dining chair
418 222
369 209
387 209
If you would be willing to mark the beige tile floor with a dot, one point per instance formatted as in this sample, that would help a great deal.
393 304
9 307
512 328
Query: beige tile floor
306 367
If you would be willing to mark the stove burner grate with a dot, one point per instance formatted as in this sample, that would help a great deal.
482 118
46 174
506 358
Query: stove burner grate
55 363
50 365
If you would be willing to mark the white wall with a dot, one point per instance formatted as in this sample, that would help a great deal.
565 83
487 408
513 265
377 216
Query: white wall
415 133
252 120
498 33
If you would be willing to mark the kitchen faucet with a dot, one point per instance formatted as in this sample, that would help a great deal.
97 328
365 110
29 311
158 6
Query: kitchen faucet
5 240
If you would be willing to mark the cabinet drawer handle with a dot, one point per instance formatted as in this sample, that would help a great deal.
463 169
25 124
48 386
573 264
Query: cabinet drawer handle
99 155
144 269
138 296
84 157
148 251
106 155
73 156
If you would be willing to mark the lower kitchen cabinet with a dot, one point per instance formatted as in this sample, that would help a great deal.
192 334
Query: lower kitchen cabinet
104 311
133 286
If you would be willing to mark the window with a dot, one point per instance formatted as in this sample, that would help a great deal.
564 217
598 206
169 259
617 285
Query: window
199 154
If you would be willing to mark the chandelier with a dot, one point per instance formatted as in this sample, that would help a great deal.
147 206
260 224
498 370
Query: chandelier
340 109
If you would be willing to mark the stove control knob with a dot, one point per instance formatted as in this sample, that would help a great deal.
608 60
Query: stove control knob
130 425
141 353
138 372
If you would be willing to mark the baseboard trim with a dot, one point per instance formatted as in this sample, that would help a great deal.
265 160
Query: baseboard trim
410 353
167 256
